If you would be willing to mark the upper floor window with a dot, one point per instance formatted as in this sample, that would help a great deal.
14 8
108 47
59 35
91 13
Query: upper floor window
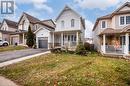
72 22
36 27
127 19
103 24
62 24
23 25
122 20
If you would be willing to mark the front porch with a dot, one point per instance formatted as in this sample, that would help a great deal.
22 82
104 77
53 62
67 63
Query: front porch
116 44
19 38
65 40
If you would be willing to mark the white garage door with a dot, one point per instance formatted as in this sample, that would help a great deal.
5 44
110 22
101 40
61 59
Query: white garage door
43 42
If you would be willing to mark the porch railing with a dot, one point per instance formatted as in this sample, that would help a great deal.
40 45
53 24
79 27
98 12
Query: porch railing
65 44
115 49
55 45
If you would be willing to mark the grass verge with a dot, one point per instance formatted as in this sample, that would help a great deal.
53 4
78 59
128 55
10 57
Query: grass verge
69 70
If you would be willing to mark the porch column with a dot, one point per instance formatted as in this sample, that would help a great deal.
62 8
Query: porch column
23 39
77 38
104 43
10 40
53 40
61 39
126 50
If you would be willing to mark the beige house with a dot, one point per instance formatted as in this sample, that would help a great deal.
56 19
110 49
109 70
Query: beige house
6 29
24 22
111 33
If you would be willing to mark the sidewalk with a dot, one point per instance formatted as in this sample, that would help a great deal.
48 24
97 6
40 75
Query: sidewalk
6 82
21 59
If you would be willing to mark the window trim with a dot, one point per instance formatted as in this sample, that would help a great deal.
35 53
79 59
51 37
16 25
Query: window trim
72 22
62 24
124 20
105 24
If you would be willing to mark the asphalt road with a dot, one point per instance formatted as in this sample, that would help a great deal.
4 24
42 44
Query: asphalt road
10 55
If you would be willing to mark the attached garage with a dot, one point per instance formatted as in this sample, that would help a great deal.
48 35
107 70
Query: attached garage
43 42
43 38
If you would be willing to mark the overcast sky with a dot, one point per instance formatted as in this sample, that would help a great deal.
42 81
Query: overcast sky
49 9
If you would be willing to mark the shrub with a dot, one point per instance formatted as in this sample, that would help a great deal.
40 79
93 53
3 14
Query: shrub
89 47
80 50
55 50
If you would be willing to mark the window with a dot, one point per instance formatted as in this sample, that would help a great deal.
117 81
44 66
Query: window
127 19
36 26
68 37
122 20
122 40
62 24
103 24
72 22
72 37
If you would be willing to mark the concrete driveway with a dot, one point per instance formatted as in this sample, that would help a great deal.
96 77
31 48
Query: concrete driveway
10 55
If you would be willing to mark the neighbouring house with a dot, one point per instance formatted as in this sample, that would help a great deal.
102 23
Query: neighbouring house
20 35
69 29
111 33
6 29
25 21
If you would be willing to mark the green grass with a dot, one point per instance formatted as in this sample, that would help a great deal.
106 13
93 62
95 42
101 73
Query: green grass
69 70
10 48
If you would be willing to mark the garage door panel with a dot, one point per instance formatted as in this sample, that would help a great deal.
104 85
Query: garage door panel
43 42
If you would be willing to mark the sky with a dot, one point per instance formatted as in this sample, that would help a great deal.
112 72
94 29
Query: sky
50 9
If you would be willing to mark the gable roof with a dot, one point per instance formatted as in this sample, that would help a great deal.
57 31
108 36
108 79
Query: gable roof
65 9
125 4
10 23
49 22
116 12
68 8
31 19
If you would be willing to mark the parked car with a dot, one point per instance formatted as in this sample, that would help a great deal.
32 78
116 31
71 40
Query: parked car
4 43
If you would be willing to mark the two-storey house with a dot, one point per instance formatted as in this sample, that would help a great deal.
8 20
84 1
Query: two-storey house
111 33
24 22
69 30
6 29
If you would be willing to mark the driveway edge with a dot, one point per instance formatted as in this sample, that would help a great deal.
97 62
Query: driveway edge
21 59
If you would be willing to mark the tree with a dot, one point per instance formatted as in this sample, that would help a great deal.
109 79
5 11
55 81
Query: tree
30 38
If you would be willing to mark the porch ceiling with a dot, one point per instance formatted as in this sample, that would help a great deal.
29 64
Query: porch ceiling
116 31
67 31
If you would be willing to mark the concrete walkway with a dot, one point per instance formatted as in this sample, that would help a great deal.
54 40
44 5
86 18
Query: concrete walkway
6 82
21 59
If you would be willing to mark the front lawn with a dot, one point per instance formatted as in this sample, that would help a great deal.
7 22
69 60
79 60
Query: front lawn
11 47
69 70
